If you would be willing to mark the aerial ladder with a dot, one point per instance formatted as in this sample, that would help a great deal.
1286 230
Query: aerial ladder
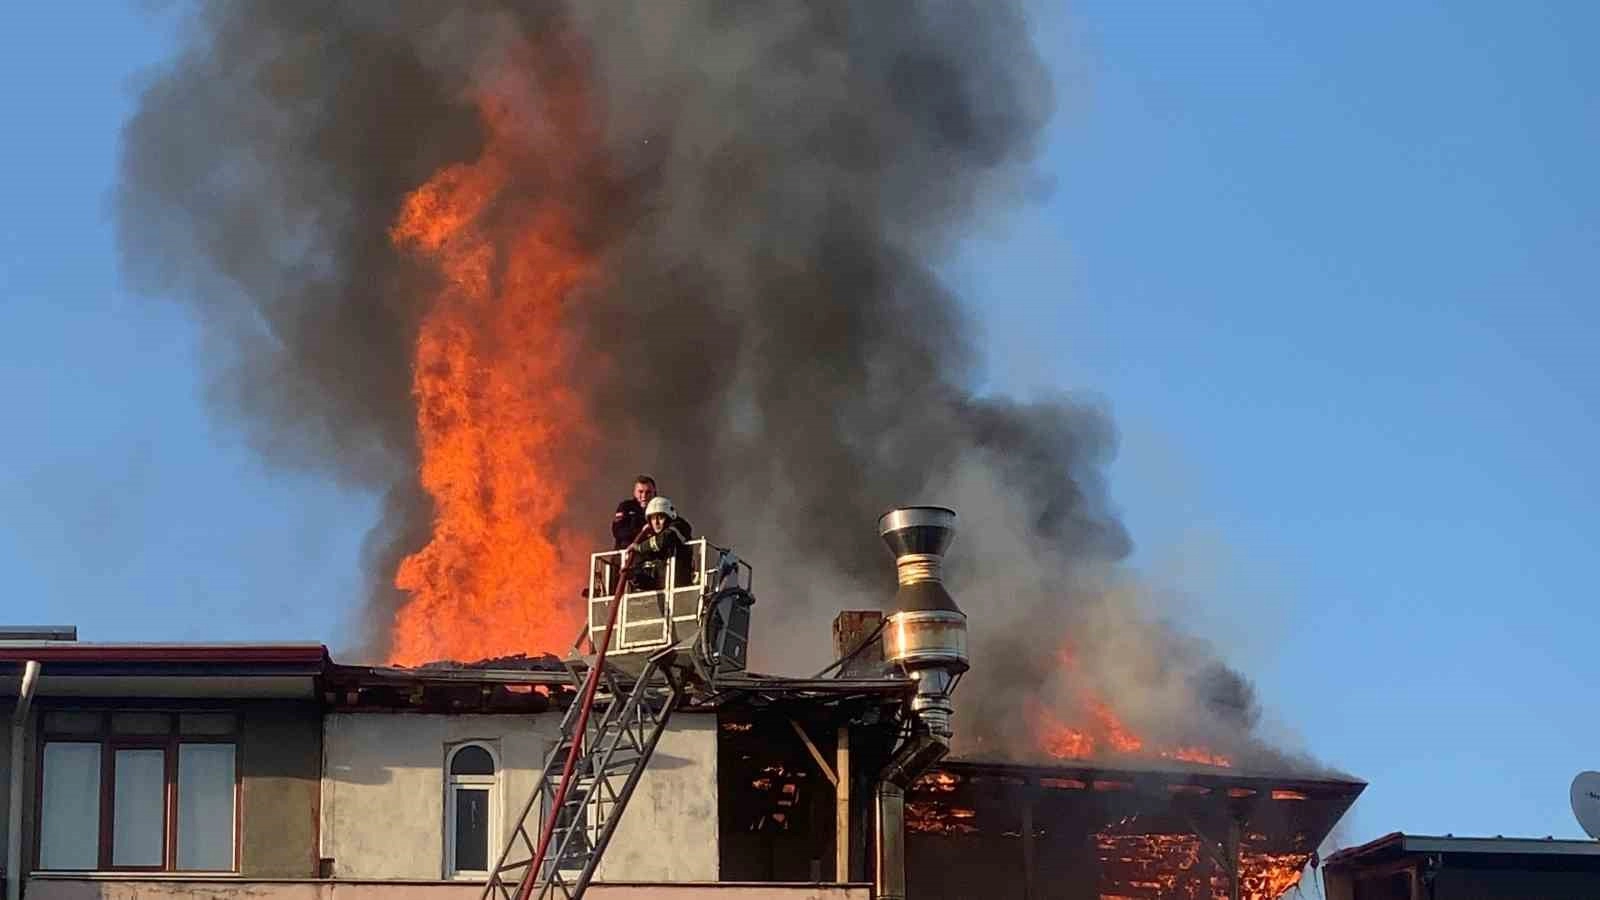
648 649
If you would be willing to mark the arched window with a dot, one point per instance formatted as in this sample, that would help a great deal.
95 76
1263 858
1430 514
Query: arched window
472 810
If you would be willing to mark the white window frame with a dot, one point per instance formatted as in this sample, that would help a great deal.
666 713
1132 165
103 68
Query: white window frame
452 783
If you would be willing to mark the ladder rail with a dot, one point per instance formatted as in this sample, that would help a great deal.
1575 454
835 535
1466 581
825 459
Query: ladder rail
527 808
598 760
586 702
621 802
607 737
521 831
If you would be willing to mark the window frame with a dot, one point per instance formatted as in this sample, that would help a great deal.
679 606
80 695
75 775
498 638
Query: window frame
110 742
491 784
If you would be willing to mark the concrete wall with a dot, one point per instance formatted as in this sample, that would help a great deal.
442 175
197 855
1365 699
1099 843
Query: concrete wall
155 889
280 769
669 831
383 794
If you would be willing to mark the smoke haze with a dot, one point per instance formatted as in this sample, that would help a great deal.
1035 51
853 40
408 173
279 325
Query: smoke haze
775 188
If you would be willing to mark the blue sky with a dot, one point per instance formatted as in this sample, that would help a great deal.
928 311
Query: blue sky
1332 268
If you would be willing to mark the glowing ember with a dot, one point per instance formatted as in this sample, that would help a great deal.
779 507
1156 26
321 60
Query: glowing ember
1197 755
936 780
935 818
502 433
1139 866
1267 876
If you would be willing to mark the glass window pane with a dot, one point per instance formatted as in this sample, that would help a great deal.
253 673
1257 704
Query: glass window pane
205 806
138 808
71 721
472 760
472 829
207 724
141 723
69 833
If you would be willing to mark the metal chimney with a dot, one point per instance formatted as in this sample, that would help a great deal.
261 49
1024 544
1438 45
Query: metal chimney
926 638
926 634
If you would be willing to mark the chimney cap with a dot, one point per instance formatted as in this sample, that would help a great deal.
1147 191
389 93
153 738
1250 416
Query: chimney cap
920 530
916 516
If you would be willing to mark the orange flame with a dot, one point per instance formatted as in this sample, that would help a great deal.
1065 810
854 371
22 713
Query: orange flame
1099 731
1197 755
1172 865
502 432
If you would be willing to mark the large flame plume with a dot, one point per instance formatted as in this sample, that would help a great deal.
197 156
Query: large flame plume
502 429
487 261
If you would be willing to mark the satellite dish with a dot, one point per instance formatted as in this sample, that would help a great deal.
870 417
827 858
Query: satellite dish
1586 802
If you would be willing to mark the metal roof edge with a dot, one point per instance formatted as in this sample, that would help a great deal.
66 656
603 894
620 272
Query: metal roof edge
1350 854
288 653
1167 771
1398 843
1421 843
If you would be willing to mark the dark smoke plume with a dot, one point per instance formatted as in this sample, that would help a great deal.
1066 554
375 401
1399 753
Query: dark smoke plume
783 180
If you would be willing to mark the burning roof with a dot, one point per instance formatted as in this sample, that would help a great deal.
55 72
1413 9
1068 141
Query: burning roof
1115 832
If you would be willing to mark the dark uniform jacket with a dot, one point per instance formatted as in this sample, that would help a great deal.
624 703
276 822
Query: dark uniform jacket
658 547
627 523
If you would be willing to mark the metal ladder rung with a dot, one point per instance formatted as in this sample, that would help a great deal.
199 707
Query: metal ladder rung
621 736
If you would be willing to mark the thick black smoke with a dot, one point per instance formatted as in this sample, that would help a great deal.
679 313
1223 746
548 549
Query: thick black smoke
782 182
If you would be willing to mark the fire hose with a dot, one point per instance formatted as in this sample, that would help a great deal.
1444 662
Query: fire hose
525 889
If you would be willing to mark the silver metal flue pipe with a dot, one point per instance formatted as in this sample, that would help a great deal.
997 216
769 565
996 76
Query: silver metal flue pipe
926 635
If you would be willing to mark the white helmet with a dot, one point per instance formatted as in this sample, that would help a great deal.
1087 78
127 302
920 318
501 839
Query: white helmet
660 506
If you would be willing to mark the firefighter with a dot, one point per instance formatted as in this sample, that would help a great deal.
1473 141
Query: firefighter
667 537
629 520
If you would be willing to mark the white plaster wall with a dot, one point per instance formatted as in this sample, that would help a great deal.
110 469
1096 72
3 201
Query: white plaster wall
669 830
383 794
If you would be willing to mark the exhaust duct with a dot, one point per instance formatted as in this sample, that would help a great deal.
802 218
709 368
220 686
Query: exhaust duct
926 635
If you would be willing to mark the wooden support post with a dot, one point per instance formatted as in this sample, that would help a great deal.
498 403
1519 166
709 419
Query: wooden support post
816 755
1030 891
1233 857
841 826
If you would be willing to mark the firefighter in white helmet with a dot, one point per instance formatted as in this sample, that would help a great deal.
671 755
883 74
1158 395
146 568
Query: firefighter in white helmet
666 537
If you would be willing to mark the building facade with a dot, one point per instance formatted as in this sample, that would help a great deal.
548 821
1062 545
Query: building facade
205 772
428 797
269 771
